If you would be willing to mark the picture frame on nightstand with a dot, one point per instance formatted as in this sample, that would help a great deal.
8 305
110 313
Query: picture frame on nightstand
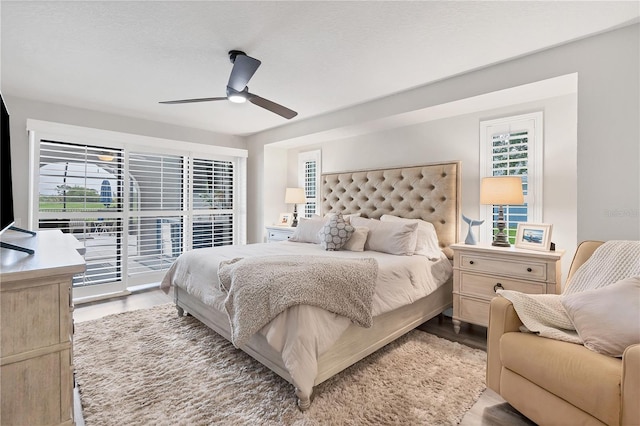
534 236
285 219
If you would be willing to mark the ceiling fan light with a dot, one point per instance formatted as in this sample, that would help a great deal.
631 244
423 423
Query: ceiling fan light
237 98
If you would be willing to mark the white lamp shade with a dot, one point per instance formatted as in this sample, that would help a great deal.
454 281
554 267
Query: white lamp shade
501 190
295 196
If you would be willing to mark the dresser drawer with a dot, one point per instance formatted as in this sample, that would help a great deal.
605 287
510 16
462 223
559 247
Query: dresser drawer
526 269
484 285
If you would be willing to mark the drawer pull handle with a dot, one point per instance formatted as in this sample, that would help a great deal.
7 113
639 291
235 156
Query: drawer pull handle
529 269
471 262
497 286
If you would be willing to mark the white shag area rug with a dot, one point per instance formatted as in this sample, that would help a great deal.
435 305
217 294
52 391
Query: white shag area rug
151 367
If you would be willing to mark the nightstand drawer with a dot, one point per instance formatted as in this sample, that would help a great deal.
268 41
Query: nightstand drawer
527 270
484 286
474 311
281 233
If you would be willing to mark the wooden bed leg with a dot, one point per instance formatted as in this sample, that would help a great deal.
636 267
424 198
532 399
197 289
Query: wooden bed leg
180 311
304 402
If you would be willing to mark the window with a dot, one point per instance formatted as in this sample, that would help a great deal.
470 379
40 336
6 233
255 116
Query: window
136 205
513 146
309 178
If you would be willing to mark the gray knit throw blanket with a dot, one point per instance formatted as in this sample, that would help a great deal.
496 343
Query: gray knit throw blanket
544 313
260 288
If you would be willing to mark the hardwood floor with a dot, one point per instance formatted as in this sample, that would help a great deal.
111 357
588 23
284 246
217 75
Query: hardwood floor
470 335
489 410
132 302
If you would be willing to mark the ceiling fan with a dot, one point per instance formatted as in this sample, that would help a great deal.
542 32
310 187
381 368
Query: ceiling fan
237 90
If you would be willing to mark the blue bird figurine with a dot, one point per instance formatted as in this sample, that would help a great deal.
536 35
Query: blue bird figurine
471 240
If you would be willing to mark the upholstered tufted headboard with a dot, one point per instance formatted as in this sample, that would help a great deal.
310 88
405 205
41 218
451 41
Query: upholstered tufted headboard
430 192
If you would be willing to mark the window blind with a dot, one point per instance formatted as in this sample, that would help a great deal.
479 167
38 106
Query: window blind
510 157
310 187
213 190
80 191
156 216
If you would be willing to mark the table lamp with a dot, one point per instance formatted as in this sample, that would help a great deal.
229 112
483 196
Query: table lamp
501 190
295 196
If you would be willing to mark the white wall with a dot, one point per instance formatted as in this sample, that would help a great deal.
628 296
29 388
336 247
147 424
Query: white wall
22 109
275 183
605 165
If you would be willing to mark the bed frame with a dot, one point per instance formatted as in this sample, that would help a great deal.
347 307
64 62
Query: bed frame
430 192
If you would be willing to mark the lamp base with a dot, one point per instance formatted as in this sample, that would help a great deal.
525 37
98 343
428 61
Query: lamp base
500 239
295 217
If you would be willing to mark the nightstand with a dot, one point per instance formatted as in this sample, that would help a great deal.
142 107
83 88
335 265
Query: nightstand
480 270
279 233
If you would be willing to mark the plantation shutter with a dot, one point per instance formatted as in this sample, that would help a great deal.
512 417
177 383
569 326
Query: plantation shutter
309 178
310 185
510 157
80 191
213 203
156 211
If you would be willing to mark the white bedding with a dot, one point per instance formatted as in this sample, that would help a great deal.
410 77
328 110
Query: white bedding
302 333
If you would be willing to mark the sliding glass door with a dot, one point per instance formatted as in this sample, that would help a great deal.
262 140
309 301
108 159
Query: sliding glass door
135 209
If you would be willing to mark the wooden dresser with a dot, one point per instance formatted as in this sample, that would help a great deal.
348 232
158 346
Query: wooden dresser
480 270
36 327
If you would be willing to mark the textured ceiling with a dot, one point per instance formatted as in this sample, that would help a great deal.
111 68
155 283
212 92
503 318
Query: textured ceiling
123 57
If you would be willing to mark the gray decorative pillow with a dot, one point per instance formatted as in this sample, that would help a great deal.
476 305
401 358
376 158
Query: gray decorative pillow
335 233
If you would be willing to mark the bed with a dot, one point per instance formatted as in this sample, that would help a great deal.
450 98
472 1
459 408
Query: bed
428 192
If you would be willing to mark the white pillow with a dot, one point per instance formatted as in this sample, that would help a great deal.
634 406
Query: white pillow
607 319
427 240
346 217
357 240
389 237
335 233
307 231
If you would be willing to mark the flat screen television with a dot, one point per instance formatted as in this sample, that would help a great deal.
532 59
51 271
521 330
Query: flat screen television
6 182
6 188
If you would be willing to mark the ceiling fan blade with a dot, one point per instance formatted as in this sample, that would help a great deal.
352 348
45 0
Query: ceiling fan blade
272 106
188 101
243 69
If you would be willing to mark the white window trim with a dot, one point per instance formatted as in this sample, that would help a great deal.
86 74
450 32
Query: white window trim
316 156
534 124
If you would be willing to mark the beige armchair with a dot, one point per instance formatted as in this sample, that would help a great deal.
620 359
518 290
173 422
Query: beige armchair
559 383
